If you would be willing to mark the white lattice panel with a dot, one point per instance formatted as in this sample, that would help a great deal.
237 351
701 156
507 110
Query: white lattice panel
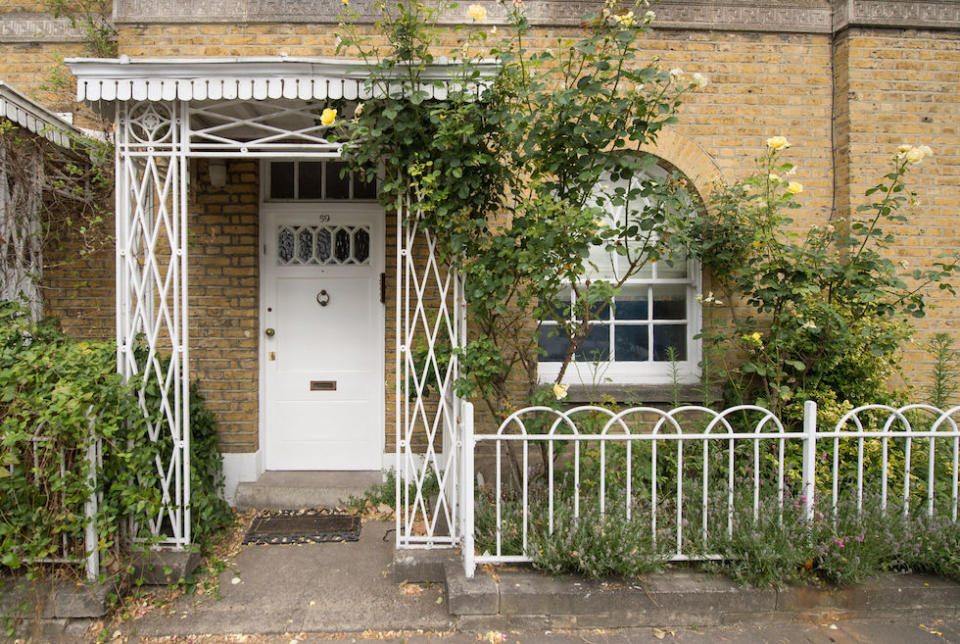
431 328
152 342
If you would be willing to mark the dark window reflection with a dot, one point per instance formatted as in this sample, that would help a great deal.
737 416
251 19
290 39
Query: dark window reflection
337 187
596 348
554 342
323 244
630 343
311 180
281 180
669 335
342 248
362 189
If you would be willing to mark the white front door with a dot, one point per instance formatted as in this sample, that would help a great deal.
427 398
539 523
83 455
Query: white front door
322 336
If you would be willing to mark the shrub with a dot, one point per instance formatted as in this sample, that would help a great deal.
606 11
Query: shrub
57 397
829 307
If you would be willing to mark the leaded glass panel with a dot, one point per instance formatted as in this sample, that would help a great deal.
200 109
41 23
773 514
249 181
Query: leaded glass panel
328 245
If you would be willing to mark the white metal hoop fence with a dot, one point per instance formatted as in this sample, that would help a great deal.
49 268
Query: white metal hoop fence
689 472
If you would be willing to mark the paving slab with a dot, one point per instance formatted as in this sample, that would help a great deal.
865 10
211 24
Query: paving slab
324 587
678 597
854 632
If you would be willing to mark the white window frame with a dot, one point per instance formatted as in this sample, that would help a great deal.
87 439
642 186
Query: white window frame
266 182
647 372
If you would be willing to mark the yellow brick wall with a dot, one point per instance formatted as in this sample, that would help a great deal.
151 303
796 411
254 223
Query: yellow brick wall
887 85
30 67
24 6
224 299
904 86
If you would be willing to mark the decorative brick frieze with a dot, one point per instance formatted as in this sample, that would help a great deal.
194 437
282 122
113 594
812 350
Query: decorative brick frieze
32 27
789 16
919 14
795 16
739 15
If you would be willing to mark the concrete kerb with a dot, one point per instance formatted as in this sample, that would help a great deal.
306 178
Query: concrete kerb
56 599
519 596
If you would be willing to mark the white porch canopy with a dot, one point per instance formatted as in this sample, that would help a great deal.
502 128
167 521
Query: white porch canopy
168 111
35 118
257 78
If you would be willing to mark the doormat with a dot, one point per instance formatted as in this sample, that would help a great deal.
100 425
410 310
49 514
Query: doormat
323 525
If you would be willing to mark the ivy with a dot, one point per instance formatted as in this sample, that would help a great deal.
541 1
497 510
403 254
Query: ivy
57 396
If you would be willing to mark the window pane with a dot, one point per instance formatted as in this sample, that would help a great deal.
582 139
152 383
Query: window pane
672 270
596 348
631 304
311 175
602 264
670 302
599 311
669 335
337 187
281 180
645 272
362 189
558 310
554 342
630 343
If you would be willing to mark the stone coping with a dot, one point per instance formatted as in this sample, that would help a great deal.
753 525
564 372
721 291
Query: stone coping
681 598
518 596
774 16
789 16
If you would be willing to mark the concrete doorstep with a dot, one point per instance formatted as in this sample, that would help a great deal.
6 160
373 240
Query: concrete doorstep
518 596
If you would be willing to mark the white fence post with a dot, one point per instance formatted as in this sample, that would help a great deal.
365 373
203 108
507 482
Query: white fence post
467 489
809 457
90 541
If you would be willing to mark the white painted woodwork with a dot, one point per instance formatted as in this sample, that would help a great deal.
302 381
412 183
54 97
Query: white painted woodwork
305 429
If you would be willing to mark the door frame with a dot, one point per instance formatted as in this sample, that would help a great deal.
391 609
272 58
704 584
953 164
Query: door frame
378 251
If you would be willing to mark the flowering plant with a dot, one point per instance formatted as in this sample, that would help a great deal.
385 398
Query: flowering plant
506 169
828 306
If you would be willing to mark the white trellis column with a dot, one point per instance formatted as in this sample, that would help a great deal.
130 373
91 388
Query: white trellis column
151 260
431 327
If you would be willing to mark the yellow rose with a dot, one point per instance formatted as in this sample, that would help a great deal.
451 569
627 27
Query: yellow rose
914 155
625 20
794 188
903 148
478 13
778 142
926 150
328 116
560 391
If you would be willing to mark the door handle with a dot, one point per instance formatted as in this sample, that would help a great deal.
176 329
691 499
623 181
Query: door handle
323 298
269 333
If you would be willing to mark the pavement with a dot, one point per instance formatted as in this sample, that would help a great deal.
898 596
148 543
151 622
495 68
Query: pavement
323 587
347 592
847 632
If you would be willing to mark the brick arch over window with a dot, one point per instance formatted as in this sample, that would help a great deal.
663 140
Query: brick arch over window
689 158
